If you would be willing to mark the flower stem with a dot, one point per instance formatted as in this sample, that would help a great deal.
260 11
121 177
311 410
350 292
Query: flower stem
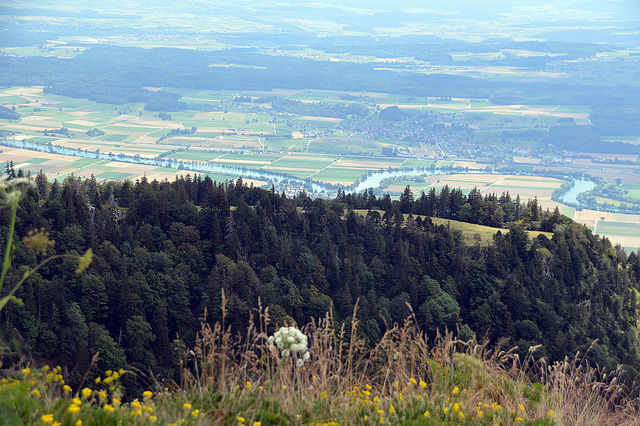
9 247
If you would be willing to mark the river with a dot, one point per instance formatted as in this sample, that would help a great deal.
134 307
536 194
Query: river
371 180
579 186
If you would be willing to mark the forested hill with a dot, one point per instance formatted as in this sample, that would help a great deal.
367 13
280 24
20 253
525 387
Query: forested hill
163 251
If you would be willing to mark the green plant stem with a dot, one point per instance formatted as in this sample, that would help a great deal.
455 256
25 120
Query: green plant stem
9 248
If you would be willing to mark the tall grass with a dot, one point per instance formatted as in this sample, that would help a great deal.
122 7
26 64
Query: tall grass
233 378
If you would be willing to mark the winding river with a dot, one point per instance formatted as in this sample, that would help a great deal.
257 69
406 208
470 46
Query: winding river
371 180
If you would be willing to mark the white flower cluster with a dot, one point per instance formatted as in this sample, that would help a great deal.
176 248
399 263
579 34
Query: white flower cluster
12 190
290 341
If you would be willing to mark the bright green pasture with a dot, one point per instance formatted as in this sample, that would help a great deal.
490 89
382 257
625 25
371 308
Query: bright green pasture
631 229
633 189
37 160
339 174
114 175
85 162
569 211
252 157
113 138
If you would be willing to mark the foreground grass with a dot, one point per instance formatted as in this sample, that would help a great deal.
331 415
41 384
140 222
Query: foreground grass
402 380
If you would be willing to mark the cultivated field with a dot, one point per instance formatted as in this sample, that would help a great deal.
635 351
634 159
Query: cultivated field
527 187
620 228
57 166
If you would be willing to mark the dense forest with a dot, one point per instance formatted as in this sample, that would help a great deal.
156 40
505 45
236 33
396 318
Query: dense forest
164 251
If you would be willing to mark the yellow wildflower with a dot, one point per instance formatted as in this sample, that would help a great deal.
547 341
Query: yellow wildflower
26 371
368 386
284 386
66 389
426 413
455 391
461 414
86 393
115 402
153 419
135 404
136 413
186 406
446 410
74 408
45 368
98 380
248 385
392 409
56 424
257 423
241 419
456 407
36 393
78 422
413 381
423 384
195 413
551 414
521 407
47 418
148 409
380 411
76 401
109 408
146 394
519 419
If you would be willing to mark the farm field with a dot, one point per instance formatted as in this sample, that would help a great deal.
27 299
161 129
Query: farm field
526 186
57 166
619 228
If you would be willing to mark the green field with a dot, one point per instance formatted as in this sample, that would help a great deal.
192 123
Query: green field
114 176
334 174
633 189
628 229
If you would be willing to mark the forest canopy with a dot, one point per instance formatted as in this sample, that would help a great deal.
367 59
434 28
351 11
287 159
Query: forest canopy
164 251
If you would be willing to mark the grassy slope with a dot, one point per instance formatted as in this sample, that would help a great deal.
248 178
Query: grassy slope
403 380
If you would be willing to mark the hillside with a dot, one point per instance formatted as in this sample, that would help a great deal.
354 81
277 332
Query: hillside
164 253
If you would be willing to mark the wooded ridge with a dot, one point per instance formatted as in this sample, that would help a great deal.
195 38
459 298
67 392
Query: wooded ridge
164 251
